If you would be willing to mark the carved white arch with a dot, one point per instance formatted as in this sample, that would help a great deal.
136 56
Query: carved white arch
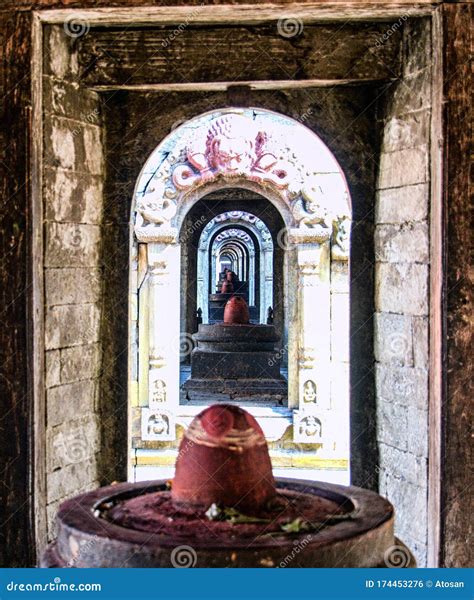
282 160
247 148
234 251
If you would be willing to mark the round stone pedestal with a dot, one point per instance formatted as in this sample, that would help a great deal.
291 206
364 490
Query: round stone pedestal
236 362
224 509
137 525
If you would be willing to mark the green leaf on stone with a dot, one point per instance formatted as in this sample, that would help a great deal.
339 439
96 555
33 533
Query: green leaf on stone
296 526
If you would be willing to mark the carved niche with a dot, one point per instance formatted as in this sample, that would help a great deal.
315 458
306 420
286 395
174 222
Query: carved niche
307 428
310 392
158 395
158 425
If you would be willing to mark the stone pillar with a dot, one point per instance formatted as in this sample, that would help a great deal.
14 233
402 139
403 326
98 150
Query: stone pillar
340 338
313 313
251 278
203 284
158 421
266 280
214 272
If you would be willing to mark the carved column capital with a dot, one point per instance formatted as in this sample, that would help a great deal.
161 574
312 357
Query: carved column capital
163 234
309 235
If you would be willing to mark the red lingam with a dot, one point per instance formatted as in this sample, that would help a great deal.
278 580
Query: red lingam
223 459
236 312
226 509
227 287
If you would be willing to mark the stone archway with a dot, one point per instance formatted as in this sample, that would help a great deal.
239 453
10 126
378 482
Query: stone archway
286 163
247 222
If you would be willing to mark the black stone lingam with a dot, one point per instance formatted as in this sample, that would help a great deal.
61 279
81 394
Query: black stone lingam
236 360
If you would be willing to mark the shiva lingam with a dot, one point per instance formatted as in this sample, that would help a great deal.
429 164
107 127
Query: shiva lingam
229 285
225 509
229 276
236 360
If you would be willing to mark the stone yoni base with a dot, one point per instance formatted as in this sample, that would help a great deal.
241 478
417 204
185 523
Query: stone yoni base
356 530
236 362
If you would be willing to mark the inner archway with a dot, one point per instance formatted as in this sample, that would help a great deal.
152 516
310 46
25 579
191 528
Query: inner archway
222 219
274 158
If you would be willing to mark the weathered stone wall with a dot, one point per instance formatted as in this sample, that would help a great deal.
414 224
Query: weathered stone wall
72 196
401 290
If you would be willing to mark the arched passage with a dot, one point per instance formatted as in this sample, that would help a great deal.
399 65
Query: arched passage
261 263
203 223
275 157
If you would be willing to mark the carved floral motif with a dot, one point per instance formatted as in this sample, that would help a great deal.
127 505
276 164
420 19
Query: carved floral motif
340 248
233 233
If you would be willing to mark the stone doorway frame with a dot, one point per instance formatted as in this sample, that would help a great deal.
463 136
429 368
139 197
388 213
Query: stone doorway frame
248 14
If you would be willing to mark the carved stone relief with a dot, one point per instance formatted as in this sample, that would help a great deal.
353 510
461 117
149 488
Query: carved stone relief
233 147
340 247
307 428
229 147
158 425
158 395
233 233
307 357
310 392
